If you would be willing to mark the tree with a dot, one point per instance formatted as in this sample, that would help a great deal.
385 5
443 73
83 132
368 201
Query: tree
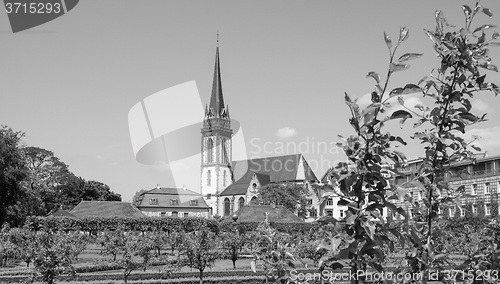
275 253
137 199
53 255
199 250
463 54
232 242
291 195
94 190
12 173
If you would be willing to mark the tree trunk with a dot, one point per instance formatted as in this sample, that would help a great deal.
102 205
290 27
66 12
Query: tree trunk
201 276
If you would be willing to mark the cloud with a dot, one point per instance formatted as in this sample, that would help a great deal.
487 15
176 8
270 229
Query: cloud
480 106
286 132
487 139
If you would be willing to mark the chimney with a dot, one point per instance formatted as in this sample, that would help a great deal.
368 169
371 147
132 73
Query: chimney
157 186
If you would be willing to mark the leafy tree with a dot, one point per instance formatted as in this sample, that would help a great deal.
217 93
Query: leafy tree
52 256
94 190
199 250
25 243
463 53
232 243
291 195
275 253
137 199
12 173
361 181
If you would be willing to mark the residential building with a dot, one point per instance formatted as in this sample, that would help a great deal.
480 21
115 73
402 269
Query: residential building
176 202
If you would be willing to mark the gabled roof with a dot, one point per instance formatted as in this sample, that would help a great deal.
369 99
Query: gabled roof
257 213
164 197
268 170
106 209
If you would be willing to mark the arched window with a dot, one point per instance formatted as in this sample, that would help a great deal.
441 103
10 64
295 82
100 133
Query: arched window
224 179
254 201
227 207
224 151
241 202
210 146
209 177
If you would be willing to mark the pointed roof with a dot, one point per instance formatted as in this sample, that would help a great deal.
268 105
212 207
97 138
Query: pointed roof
217 100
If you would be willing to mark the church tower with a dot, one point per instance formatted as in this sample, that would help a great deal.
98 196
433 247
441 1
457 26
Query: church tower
216 144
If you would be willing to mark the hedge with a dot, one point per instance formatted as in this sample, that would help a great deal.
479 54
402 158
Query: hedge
166 224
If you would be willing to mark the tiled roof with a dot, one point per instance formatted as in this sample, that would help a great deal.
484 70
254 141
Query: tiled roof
163 197
62 213
271 169
256 213
106 209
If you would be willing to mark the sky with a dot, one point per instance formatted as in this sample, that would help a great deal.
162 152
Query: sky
70 84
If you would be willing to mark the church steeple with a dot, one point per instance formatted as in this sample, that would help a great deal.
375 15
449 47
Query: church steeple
217 100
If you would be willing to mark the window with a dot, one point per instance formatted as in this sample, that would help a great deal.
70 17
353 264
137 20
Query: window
193 202
254 201
329 202
410 213
224 179
474 209
224 152
174 202
341 213
452 212
329 213
163 214
153 201
241 202
439 210
186 214
175 214
209 177
210 146
209 196
313 212
309 202
462 212
487 209
474 189
487 188
227 207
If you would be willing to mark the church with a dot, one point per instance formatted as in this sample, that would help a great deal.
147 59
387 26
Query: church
228 185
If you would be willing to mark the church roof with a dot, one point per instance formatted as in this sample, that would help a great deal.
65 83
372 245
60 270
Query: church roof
270 169
257 213
105 209
217 100
163 198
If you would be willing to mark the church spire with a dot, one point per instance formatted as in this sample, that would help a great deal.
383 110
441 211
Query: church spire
217 100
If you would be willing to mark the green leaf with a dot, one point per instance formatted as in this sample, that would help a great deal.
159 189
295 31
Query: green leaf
388 41
403 34
409 56
402 114
408 89
495 35
374 75
484 27
467 11
476 148
488 12
398 67
401 100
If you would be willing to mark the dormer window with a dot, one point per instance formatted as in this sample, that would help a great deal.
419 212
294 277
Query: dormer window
174 202
193 202
153 201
